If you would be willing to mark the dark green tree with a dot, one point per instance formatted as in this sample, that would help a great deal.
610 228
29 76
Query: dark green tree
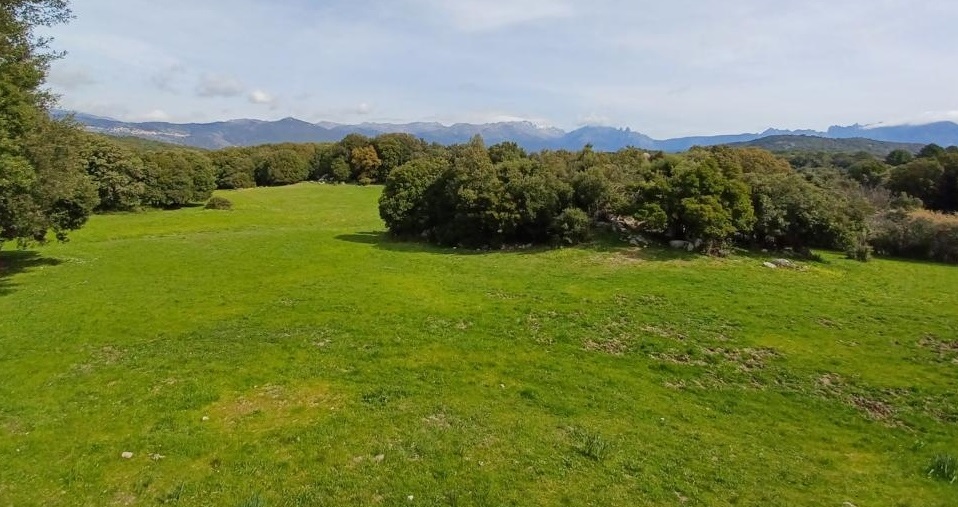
931 151
282 166
899 157
506 151
43 185
235 168
117 173
403 204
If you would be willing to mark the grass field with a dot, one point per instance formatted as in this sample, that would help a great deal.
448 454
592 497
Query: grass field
288 353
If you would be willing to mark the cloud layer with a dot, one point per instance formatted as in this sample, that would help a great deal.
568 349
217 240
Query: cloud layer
666 69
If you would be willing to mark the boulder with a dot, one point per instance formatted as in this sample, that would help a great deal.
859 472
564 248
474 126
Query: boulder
677 244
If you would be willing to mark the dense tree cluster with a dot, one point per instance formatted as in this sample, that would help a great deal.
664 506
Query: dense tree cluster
714 197
128 179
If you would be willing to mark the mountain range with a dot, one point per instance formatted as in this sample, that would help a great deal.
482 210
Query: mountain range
528 135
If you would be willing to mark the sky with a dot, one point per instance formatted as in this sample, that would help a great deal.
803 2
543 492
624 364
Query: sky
663 68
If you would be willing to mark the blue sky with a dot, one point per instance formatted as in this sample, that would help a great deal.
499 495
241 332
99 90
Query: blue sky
666 69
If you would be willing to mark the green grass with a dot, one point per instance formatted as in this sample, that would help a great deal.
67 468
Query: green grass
287 353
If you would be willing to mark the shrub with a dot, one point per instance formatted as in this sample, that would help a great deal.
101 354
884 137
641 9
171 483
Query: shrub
219 203
571 227
917 234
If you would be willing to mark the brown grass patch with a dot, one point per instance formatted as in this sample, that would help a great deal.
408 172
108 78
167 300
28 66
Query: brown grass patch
613 346
272 402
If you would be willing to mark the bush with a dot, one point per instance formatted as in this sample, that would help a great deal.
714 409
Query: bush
918 234
219 203
571 227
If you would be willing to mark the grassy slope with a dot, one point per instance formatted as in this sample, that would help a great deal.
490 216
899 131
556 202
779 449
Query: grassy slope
591 376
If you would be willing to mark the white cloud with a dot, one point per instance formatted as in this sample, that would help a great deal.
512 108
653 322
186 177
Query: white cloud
487 15
216 85
261 97
920 119
363 109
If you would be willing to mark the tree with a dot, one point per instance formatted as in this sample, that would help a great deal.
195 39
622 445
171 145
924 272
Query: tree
365 164
920 178
235 168
870 173
395 150
931 151
403 204
175 178
117 173
282 166
899 157
43 185
506 151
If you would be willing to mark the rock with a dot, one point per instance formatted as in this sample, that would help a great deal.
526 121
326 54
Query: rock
127 455
679 244
410 498
205 418
783 263
769 265
379 458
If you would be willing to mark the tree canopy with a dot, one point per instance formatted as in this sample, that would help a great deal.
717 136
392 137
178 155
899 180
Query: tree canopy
43 185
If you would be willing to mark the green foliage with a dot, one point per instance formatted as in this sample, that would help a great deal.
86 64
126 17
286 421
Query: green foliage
395 150
177 178
793 213
365 163
117 173
899 157
403 204
931 151
920 178
571 227
235 168
698 202
43 185
870 173
506 152
219 203
282 166
917 234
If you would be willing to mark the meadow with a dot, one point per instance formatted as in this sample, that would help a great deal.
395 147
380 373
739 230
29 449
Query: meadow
288 352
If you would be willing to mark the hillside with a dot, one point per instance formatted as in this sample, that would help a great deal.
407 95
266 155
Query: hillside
788 143
287 352
528 135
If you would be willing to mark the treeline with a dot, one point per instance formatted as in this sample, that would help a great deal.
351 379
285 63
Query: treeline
709 198
478 197
931 175
131 175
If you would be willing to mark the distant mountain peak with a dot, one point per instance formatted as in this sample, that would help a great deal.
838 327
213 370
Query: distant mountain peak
526 133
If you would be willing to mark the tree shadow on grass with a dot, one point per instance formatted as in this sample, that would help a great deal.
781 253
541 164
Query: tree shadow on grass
19 261
384 241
